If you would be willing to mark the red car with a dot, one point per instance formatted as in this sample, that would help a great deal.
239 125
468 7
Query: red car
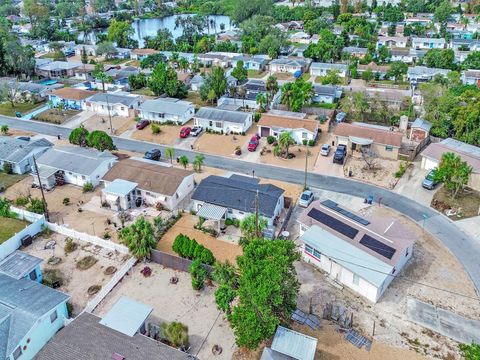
185 131
142 124
253 143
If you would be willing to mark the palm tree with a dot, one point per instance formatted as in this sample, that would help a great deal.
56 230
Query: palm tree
242 92
183 64
198 162
183 161
261 100
287 95
271 86
285 140
170 153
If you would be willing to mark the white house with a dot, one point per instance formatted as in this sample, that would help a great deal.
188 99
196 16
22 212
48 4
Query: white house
72 165
471 77
392 41
90 50
140 54
19 153
326 94
428 43
120 104
223 120
135 182
167 109
321 69
197 82
403 55
289 65
301 129
422 73
363 254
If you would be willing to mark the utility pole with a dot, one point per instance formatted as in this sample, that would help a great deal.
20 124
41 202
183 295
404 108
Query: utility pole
306 163
41 189
108 104
257 229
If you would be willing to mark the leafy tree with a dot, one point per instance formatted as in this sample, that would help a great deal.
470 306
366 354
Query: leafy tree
384 54
215 83
367 75
316 25
183 161
331 78
176 333
151 61
164 80
170 153
271 87
443 12
470 351
246 9
79 136
163 41
248 227
440 58
224 295
454 172
198 162
137 81
121 32
393 14
239 72
9 92
5 208
37 206
327 49
472 61
261 100
100 140
199 274
84 56
267 290
397 70
297 94
139 237
106 48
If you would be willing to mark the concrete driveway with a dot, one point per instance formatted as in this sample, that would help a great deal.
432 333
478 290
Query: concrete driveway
410 185
187 143
324 165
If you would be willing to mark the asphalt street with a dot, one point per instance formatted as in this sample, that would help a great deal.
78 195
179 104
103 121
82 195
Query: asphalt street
464 247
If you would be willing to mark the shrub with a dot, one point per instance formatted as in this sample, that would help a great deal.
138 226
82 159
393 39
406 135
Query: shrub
311 142
36 206
236 223
70 246
156 129
191 249
176 333
270 139
5 208
401 170
87 187
228 222
199 274
86 263
106 235
7 168
21 201
224 295
69 309
305 141
66 201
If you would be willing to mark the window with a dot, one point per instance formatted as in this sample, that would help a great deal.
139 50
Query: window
83 177
33 275
308 249
53 316
356 279
218 124
162 115
17 353
122 108
240 212
304 135
210 123
230 211
317 254
389 148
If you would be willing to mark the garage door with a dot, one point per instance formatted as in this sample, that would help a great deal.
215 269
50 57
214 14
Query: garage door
265 131
429 164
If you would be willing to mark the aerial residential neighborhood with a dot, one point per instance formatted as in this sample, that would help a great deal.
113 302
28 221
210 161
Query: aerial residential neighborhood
239 180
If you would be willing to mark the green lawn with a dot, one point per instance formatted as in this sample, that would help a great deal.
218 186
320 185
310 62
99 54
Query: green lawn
318 80
115 61
256 74
194 97
9 227
144 91
24 108
7 180
306 76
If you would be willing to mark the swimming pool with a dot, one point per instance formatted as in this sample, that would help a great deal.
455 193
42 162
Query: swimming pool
48 82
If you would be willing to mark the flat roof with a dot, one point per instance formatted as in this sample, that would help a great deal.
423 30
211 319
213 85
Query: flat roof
126 316
120 187
19 264
294 344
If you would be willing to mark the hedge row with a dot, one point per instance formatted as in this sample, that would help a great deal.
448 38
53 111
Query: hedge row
190 249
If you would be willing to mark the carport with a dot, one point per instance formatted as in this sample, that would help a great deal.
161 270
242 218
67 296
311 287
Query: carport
213 212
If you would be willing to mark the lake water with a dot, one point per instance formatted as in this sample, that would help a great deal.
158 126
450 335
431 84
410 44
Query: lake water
149 27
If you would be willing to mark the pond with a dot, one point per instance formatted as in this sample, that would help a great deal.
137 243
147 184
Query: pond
149 27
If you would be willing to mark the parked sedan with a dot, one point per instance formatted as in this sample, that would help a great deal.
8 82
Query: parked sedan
153 154
253 143
142 124
429 182
305 199
325 150
185 131
196 130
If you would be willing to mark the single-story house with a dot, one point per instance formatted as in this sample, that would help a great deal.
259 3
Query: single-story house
197 82
288 344
90 50
20 265
404 55
251 62
223 120
57 69
167 109
140 54
213 60
300 37
420 130
422 73
19 153
326 94
71 98
432 155
31 314
220 198
359 136
361 253
321 69
465 44
471 77
354 51
289 65
301 129
428 43
120 104
73 165
123 53
381 70
120 76
151 182
392 41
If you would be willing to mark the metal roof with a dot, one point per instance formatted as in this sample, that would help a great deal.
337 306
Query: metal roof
212 212
126 100
422 124
120 187
126 316
318 65
19 264
294 344
167 106
238 117
15 150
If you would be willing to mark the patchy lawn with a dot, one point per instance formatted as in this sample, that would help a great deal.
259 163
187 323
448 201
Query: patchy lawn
9 227
465 205
7 180
144 92
255 74
56 116
284 76
194 97
223 144
318 80
24 108
298 162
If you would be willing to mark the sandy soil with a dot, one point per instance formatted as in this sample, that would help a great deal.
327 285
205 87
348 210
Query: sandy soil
291 190
168 135
298 162
15 132
178 302
224 144
222 250
102 122
77 282
383 175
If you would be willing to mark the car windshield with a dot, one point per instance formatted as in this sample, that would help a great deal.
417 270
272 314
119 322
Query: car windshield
305 196
431 176
325 147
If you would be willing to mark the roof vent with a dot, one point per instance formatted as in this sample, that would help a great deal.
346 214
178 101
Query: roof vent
116 356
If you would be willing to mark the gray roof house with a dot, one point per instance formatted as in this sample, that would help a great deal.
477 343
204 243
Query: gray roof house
121 104
30 314
289 65
167 109
423 73
73 165
56 69
326 94
225 121
19 153
19 264
235 197
321 69
196 82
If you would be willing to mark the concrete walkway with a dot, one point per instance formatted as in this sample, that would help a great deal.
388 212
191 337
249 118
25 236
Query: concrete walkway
443 322
78 120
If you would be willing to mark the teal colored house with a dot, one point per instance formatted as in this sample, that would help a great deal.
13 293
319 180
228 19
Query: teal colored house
20 265
30 315
69 98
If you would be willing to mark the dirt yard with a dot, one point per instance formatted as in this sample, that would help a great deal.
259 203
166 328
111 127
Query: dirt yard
431 264
224 144
298 162
56 116
465 205
102 122
75 281
383 173
222 250
179 302
168 135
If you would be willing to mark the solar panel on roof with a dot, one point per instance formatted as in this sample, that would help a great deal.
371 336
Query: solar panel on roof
334 206
333 223
377 246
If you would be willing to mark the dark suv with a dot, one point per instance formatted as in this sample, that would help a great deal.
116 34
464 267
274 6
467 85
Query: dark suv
153 154
340 154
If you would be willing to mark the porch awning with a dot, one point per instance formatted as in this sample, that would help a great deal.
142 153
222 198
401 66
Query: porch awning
211 212
360 141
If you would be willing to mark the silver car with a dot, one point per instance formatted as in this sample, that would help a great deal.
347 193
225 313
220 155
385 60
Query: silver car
305 199
325 150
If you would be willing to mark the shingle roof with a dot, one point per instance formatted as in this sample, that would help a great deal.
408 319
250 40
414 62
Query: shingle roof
86 339
238 193
422 124
468 153
208 113
286 122
59 65
114 98
72 93
75 159
22 303
151 177
328 66
166 106
289 62
378 136
15 150
325 90
19 264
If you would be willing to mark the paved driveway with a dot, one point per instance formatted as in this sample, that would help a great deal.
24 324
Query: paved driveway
410 185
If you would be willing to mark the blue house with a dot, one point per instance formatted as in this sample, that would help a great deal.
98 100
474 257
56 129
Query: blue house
30 315
20 265
70 98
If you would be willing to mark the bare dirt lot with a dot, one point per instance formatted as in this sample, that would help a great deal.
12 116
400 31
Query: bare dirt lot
169 134
102 122
224 144
298 162
465 205
75 281
382 174
56 116
179 302
222 250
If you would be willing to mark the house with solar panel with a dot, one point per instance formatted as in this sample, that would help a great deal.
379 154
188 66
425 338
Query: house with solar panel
364 254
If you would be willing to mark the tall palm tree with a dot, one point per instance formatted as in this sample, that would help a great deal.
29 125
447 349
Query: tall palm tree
198 162
285 140
271 86
261 100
